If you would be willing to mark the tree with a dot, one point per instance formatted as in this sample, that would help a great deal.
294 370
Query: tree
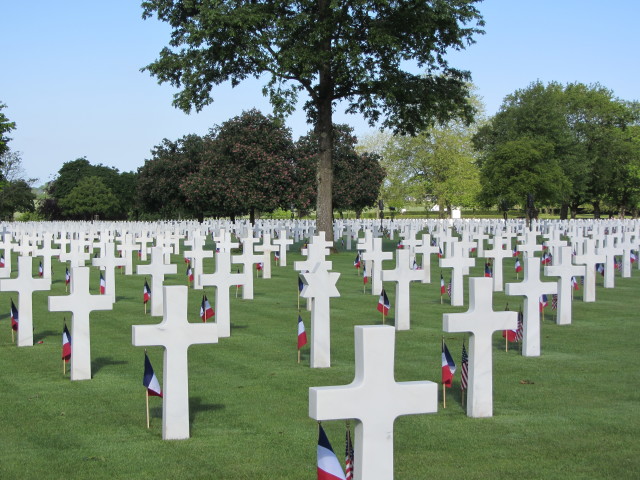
5 127
159 180
16 194
531 124
249 168
521 169
436 167
90 198
357 176
72 173
579 127
353 52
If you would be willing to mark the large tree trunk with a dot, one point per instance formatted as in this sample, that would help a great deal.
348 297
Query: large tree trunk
596 209
324 131
564 211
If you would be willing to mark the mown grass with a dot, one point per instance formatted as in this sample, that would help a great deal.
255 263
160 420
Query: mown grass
572 413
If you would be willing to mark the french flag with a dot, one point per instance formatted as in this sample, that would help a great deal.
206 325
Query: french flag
518 266
146 293
103 285
66 344
329 467
543 301
14 316
206 311
448 366
150 381
383 303
302 334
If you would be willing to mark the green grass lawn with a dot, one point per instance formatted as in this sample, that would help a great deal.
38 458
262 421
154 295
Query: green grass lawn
574 412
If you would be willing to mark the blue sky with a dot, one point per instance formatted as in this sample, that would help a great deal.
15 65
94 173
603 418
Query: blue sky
71 75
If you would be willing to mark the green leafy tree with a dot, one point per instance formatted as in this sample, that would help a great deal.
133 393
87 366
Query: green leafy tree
249 168
436 167
16 194
358 176
531 123
5 127
579 126
520 169
599 122
88 199
72 173
159 179
350 52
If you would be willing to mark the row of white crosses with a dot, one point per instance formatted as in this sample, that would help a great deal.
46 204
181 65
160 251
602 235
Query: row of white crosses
374 399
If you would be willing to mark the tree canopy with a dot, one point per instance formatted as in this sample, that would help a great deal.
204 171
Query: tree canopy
249 168
72 174
90 198
577 135
358 176
5 127
350 52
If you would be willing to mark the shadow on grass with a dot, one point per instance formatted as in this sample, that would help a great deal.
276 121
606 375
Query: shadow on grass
196 406
101 362
42 335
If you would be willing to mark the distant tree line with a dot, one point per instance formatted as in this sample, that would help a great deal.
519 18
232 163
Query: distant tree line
249 165
569 148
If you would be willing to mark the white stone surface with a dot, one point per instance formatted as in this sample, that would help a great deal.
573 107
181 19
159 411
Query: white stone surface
375 400
25 285
176 335
80 303
531 288
480 321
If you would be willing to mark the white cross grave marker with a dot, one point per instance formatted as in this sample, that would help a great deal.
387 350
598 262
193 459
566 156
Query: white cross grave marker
457 262
589 259
247 258
375 400
565 271
176 335
157 269
498 253
403 275
108 262
25 285
376 256
609 250
481 321
532 289
426 249
320 285
282 243
267 248
80 303
223 279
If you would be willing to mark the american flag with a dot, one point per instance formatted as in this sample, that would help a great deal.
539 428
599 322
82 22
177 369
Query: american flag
348 456
520 328
449 289
554 302
465 368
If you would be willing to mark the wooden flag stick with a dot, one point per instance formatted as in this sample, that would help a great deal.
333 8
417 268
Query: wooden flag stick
298 355
444 396
444 388
146 394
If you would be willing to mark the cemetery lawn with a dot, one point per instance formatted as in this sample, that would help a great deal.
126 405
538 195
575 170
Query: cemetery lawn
573 413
